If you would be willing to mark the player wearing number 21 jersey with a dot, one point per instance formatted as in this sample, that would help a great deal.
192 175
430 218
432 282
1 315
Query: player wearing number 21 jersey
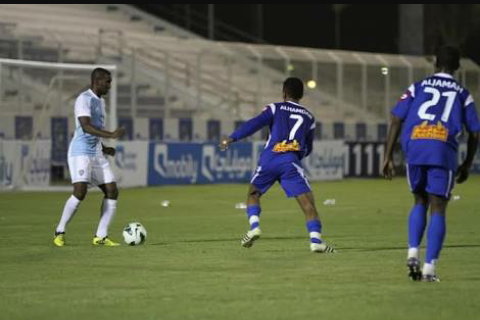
433 114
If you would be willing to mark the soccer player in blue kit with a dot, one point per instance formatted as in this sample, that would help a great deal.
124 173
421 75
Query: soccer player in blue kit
291 139
432 113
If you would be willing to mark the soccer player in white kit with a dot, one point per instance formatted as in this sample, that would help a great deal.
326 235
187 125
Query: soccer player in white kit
86 159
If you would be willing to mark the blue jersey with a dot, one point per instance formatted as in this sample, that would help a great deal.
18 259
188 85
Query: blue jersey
434 112
87 105
291 132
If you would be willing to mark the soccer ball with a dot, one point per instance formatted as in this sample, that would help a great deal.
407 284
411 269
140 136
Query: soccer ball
134 234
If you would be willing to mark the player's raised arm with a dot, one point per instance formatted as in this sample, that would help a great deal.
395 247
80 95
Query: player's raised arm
224 143
248 128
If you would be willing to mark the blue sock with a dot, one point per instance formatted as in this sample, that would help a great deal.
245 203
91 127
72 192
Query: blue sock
435 236
314 228
416 225
253 213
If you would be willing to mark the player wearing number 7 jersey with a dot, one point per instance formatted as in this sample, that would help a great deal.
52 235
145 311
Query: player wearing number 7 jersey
433 113
291 139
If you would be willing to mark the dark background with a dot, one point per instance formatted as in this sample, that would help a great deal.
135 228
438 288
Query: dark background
362 27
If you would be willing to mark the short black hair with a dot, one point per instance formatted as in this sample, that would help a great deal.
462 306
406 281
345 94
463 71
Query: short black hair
98 73
448 57
293 87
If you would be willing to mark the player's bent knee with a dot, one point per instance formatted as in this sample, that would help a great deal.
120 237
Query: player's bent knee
112 194
438 204
438 209
80 194
80 190
421 198
255 194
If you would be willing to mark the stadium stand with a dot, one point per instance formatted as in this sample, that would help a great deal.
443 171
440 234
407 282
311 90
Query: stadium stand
169 73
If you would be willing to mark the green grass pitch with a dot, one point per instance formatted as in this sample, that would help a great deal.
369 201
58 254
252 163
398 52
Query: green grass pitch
192 265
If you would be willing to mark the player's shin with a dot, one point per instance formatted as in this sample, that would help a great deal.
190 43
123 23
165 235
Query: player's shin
69 211
108 209
416 228
435 236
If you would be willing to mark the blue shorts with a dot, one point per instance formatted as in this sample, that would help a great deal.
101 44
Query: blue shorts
431 179
290 175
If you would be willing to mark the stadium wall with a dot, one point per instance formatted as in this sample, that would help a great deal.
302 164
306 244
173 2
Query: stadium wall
203 163
142 163
25 163
145 163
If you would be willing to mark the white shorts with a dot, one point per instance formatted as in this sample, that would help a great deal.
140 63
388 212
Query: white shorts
94 170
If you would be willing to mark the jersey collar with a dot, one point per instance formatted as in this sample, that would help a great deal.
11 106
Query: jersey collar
297 104
91 91
443 75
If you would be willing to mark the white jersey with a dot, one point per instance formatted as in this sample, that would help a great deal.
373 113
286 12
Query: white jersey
87 105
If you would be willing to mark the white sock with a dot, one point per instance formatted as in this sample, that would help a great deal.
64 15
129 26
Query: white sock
69 210
315 237
107 213
413 253
428 269
254 221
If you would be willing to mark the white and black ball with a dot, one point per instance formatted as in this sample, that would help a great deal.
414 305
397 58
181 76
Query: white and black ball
134 234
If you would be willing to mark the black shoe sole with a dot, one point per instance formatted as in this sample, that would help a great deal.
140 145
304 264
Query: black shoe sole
414 272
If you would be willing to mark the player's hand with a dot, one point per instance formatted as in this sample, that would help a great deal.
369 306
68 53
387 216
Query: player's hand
118 133
388 169
109 151
462 173
224 143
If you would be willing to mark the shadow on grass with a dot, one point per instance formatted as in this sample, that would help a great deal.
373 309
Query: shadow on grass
356 248
392 248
